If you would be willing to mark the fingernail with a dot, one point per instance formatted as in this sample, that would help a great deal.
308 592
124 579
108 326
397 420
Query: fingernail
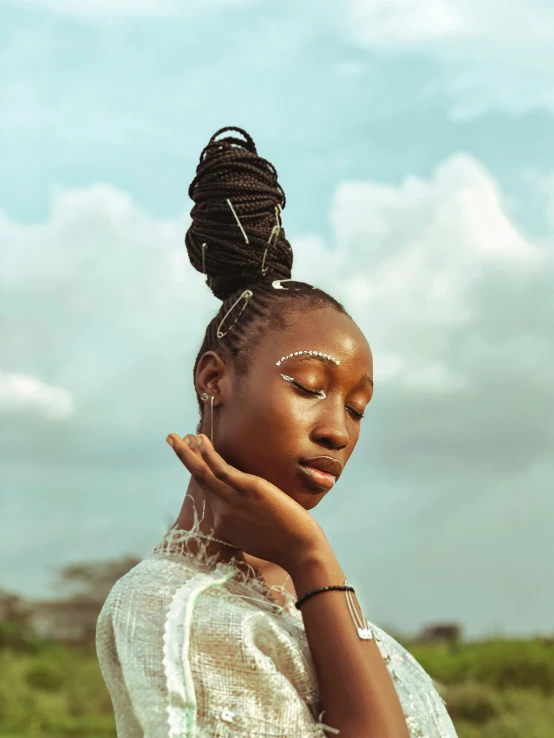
170 441
198 440
186 439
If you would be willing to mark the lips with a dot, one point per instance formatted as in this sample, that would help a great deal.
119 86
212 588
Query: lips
325 464
316 480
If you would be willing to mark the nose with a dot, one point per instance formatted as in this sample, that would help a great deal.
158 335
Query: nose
330 428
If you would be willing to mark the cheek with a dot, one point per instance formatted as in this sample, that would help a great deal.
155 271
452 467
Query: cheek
289 412
272 423
258 420
276 406
277 424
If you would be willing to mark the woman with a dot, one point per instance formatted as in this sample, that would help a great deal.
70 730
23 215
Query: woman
241 621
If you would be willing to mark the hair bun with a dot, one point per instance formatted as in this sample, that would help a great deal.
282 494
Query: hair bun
236 225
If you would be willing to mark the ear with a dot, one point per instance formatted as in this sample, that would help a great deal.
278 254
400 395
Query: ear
211 372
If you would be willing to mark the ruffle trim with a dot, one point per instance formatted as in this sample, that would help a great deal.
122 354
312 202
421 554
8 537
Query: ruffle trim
182 705
176 545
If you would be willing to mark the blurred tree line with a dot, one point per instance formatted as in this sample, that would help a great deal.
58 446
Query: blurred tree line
52 686
70 618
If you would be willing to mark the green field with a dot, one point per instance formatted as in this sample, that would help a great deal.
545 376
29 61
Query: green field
493 689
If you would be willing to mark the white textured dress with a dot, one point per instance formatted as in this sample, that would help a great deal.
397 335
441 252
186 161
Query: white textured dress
192 646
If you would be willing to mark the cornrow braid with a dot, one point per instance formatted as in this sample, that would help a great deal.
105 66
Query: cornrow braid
237 240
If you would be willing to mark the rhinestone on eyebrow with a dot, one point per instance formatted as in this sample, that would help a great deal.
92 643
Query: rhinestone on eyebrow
311 353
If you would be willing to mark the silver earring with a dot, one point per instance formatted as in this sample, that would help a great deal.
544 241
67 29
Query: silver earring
204 396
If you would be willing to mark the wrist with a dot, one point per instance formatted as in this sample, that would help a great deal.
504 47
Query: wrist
315 567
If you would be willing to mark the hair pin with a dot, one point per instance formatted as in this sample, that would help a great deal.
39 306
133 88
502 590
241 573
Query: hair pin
276 284
204 258
238 221
275 231
247 294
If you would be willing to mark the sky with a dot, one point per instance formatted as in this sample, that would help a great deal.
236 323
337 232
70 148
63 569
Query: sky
414 142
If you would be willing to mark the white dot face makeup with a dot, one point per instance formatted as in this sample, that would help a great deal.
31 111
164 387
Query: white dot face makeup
311 353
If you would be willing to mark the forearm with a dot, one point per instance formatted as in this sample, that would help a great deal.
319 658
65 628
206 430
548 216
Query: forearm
357 692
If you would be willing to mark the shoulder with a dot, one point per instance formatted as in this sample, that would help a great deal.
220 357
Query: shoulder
162 588
178 642
150 586
145 611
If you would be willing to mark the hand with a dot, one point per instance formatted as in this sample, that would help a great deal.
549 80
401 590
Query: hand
249 511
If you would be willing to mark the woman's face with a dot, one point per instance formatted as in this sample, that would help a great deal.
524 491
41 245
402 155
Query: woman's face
271 427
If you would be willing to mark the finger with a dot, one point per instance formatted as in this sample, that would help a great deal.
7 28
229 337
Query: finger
196 464
223 471
192 442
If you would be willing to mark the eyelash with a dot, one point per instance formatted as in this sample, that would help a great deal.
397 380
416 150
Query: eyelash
357 415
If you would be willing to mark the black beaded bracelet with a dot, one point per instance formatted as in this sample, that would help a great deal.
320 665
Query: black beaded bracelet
342 587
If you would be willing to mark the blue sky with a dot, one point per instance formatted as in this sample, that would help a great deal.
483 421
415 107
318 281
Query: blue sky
413 140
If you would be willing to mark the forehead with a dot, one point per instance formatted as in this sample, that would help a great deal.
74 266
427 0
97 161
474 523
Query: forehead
322 329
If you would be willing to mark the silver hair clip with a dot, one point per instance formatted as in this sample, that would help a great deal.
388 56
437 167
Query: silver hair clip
275 231
204 258
238 221
276 284
247 294
312 353
321 394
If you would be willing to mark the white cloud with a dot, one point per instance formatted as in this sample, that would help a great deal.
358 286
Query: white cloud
447 289
108 294
490 55
458 307
385 23
456 303
21 392
136 8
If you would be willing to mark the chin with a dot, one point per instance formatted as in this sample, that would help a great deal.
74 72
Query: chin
308 500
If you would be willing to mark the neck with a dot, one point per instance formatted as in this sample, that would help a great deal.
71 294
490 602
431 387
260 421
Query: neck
197 499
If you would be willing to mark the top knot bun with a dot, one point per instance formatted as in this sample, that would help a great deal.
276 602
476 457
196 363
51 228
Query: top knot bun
236 225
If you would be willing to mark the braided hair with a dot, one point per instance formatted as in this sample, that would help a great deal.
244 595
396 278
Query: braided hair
236 239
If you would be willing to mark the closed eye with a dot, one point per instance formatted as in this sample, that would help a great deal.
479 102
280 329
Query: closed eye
313 393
